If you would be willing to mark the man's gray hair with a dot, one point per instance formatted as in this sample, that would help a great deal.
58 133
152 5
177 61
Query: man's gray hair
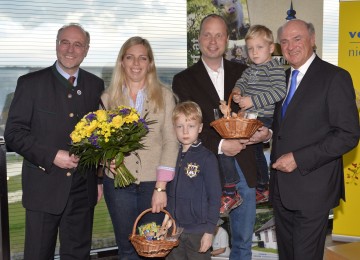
86 33
309 26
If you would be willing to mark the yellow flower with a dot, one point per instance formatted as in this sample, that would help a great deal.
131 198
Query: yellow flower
93 125
101 115
117 121
133 117
80 125
75 137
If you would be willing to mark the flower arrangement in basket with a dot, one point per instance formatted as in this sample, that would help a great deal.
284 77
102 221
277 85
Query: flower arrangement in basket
232 125
104 135
152 240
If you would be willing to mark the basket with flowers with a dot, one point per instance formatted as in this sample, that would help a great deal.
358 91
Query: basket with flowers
153 240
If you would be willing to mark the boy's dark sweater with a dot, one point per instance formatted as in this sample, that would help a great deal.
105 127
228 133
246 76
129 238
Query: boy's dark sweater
194 194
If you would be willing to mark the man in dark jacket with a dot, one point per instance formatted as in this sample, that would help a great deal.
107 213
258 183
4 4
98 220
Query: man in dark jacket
44 111
316 124
206 83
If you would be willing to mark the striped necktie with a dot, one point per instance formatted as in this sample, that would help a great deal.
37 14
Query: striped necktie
72 80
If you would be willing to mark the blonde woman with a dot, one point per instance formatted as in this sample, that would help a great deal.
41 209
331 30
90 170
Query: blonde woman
135 83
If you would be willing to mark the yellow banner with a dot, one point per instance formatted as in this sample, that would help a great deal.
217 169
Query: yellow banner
346 216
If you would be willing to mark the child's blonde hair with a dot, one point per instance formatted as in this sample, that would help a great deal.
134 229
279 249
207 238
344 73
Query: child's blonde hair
260 31
189 109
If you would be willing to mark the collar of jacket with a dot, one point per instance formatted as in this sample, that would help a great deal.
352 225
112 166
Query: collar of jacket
194 147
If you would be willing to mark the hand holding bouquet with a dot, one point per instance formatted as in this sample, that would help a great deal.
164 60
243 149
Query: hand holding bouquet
104 135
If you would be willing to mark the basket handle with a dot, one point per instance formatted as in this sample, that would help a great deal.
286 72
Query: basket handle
148 210
229 104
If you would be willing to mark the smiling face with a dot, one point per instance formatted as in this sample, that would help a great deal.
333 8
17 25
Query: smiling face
71 48
259 50
297 42
136 63
213 39
187 130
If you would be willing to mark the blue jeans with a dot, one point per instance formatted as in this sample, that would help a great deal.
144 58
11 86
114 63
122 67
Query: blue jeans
262 171
228 172
262 165
125 205
242 221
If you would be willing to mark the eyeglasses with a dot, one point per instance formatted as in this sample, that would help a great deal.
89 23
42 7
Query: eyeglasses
65 44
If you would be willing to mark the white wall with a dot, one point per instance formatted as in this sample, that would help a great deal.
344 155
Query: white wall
271 243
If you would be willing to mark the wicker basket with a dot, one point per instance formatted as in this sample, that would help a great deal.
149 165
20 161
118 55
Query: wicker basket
152 248
235 127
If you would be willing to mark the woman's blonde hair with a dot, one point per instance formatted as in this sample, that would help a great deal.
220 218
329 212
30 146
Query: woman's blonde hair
118 80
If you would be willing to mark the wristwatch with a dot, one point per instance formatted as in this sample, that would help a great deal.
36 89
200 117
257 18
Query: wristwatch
159 189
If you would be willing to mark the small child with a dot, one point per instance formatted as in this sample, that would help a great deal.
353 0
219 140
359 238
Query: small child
194 193
259 88
220 245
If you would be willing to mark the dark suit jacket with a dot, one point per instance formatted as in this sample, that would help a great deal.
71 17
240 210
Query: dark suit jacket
195 84
320 125
42 115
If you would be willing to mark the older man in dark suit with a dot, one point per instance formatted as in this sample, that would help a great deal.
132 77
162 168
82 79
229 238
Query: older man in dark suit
44 111
316 124
206 83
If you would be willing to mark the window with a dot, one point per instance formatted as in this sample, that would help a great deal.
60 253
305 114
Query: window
266 236
273 233
28 32
331 31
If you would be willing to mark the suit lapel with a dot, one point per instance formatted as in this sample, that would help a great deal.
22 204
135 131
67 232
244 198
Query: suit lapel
228 81
82 94
278 105
303 88
204 82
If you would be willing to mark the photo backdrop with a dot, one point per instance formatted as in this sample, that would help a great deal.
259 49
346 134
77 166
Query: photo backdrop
234 12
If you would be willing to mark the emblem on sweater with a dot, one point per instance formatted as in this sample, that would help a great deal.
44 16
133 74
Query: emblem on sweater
192 169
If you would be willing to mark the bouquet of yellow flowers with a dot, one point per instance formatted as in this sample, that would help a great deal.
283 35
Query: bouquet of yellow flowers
104 135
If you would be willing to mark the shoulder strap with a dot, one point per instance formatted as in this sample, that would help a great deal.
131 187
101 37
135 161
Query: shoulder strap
102 104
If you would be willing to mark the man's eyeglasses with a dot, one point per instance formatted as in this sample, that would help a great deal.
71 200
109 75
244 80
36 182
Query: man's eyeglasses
65 44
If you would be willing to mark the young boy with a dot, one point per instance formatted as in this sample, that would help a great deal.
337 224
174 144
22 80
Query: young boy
259 88
194 193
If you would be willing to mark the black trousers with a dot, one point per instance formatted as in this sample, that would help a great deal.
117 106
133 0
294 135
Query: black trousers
74 226
300 234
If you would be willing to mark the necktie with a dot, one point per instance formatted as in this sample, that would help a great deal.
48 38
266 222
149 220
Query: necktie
291 92
72 80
